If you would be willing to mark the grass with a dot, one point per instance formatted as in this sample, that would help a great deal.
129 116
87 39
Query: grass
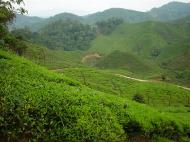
40 105
143 38
53 59
126 61
156 48
155 93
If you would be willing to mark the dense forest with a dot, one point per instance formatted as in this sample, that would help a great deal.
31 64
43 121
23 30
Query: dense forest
68 35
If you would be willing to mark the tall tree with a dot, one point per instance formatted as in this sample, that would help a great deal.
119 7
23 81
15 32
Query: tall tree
9 9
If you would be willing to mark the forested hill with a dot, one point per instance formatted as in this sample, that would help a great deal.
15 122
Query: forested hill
170 11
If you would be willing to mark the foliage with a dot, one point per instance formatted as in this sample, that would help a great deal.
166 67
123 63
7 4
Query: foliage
138 98
8 10
124 60
38 105
53 59
108 26
15 44
160 47
43 106
27 35
68 35
154 93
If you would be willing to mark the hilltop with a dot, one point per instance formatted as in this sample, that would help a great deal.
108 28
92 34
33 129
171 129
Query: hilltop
168 12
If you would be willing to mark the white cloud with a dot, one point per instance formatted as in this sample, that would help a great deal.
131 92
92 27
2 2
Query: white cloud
82 7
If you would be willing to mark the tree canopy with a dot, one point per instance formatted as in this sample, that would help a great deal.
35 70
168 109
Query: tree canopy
107 26
68 35
9 8
8 11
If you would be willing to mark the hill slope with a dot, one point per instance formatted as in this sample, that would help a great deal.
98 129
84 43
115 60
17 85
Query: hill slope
40 105
171 11
164 47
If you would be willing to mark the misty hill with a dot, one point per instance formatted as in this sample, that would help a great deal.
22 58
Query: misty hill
125 14
183 20
170 11
65 16
32 22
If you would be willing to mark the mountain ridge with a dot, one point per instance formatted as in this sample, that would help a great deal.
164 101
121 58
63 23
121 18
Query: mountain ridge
168 12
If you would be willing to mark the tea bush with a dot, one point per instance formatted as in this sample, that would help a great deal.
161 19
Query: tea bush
38 105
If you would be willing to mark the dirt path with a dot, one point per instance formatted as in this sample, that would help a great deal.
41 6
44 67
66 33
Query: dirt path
131 78
89 57
57 70
141 80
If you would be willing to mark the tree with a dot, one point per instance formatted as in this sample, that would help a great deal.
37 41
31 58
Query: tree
68 35
138 98
9 9
109 25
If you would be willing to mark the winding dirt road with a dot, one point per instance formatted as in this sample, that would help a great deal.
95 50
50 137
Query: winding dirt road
141 80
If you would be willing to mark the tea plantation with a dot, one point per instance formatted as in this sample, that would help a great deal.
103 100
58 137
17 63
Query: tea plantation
39 105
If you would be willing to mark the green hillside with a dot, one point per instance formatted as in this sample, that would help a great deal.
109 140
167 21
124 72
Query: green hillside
145 39
40 105
53 59
114 76
155 93
125 61
171 11
162 46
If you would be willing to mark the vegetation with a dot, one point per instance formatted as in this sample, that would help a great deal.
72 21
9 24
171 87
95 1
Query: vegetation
138 98
163 47
168 12
96 96
8 10
53 59
106 27
39 105
154 93
171 11
66 35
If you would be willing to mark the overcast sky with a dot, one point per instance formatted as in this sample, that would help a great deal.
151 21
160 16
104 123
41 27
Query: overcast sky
46 8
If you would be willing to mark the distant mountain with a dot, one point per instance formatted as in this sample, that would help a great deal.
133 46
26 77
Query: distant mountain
171 11
65 16
125 14
31 22
185 20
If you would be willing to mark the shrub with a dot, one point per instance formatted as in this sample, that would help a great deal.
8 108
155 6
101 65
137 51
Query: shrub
36 105
138 98
133 128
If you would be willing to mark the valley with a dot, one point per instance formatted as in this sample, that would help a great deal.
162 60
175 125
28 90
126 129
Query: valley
113 76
